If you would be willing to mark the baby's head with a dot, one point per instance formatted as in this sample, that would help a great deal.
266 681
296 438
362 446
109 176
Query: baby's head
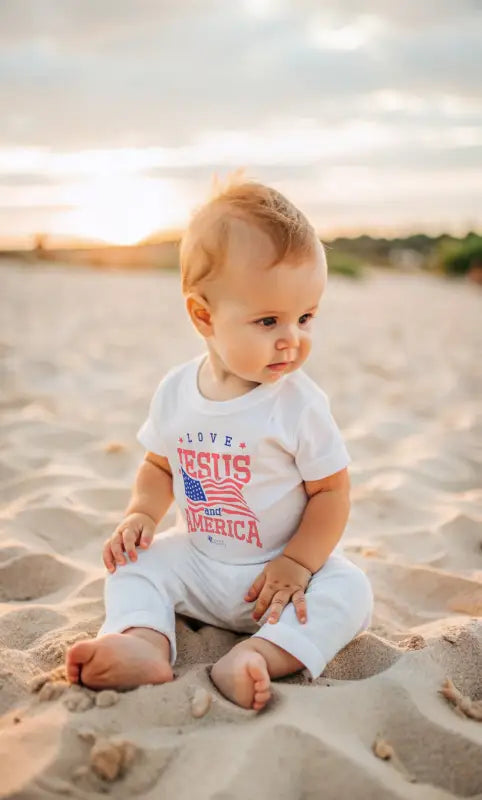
253 273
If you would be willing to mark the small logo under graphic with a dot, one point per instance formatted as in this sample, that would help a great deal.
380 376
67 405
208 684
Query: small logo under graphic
216 541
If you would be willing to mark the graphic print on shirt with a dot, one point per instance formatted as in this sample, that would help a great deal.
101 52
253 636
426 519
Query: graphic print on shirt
213 488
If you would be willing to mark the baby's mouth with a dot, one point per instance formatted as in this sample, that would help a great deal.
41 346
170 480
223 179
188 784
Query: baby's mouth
279 365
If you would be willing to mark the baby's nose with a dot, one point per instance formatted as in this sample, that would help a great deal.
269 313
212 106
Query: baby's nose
289 337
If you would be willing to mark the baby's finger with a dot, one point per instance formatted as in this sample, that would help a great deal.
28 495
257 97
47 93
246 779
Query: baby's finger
147 536
255 588
129 540
117 549
263 602
299 602
279 601
107 557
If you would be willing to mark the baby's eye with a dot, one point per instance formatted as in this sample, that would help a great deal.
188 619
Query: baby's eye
268 322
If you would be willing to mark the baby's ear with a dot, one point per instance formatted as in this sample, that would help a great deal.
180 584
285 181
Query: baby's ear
199 313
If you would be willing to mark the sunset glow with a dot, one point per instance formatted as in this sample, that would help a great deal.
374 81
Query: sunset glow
120 210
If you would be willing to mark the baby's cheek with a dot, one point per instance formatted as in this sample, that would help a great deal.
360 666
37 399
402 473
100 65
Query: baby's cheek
305 348
253 350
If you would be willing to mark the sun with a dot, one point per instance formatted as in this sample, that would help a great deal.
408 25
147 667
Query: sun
121 210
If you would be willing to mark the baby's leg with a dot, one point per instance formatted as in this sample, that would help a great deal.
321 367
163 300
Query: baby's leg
136 644
339 603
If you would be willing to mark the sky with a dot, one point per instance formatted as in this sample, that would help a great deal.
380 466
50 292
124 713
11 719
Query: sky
117 114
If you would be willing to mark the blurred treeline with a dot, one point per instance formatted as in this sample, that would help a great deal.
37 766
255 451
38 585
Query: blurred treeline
442 254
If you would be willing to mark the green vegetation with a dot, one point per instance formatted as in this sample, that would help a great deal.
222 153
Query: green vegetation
459 256
442 254
342 263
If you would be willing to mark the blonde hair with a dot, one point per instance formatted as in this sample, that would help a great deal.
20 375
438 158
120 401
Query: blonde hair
205 242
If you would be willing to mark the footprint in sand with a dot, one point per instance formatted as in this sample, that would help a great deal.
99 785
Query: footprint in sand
36 575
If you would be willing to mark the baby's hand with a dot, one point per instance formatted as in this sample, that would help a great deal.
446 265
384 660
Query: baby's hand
282 580
135 529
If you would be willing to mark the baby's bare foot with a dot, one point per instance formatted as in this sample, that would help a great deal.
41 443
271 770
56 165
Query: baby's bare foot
119 661
242 676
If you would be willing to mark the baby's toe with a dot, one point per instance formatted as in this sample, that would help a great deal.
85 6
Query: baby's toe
263 684
260 699
258 670
73 672
259 674
78 655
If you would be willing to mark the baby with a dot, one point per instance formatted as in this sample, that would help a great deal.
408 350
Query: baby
245 443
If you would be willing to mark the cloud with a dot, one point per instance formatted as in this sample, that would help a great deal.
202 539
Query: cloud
302 93
74 75
25 179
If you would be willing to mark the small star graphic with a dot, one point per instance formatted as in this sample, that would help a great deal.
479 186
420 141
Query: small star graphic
242 445
180 439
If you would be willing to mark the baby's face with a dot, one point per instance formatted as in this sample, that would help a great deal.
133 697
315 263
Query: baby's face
262 320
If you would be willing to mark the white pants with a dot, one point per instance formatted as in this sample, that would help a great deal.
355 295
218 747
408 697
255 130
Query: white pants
173 575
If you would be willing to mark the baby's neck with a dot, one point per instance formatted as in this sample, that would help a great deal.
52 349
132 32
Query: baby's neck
216 383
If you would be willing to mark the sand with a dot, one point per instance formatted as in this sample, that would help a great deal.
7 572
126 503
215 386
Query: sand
399 354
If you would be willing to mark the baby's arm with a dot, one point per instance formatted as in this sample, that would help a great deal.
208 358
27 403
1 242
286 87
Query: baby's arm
323 521
152 494
286 577
152 491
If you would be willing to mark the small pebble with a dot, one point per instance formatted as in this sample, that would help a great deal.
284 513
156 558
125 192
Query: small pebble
383 749
51 691
201 703
114 447
78 702
106 698
109 759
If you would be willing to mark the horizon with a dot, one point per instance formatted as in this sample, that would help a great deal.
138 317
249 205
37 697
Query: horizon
59 242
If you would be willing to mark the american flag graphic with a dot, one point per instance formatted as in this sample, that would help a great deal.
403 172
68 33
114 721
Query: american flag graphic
209 494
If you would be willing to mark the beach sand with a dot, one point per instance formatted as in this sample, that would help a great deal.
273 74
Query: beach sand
399 355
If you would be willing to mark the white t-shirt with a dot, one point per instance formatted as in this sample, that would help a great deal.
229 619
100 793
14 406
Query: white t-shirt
238 465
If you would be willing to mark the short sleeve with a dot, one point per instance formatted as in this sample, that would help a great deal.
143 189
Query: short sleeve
321 450
150 433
